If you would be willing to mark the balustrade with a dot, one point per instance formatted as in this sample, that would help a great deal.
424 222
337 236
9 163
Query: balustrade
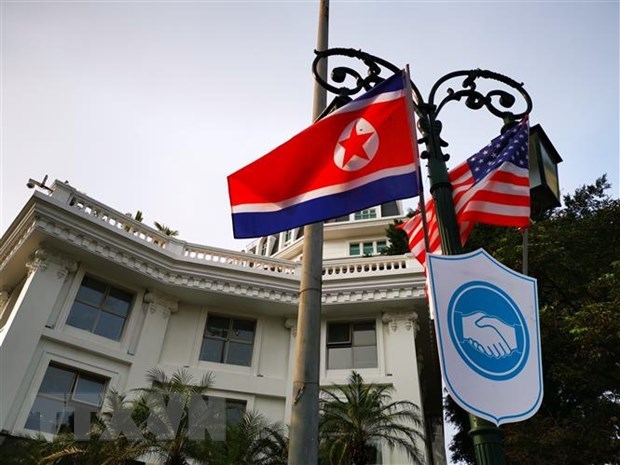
332 269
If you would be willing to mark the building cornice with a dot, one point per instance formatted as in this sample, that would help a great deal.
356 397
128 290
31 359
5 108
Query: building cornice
93 228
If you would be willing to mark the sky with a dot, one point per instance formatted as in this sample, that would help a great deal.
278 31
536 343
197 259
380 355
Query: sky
151 105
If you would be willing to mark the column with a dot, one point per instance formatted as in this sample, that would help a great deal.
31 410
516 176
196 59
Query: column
290 324
400 330
156 311
20 337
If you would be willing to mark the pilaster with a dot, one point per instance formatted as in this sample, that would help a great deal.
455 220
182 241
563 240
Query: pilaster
47 271
5 295
290 324
156 311
399 332
405 320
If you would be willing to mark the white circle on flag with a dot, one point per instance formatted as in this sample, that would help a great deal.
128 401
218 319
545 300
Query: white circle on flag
357 145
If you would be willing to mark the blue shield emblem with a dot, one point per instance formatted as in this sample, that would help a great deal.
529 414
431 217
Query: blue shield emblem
486 319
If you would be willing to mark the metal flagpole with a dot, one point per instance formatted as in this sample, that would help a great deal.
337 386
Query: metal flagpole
421 183
525 250
304 427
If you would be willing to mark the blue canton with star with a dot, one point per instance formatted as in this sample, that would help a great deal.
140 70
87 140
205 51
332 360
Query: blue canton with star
511 147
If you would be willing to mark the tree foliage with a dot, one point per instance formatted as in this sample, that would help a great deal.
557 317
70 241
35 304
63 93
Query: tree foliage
253 441
575 256
357 416
129 431
397 238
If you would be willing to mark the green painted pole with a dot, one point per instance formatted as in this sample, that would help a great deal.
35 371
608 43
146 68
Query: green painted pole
487 437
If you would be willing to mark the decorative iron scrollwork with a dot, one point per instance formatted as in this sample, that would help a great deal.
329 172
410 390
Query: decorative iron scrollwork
475 99
339 74
498 102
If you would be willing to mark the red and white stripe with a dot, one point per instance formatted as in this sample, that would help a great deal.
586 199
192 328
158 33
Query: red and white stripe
502 199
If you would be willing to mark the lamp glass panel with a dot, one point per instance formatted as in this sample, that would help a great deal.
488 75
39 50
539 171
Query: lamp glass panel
551 172
535 179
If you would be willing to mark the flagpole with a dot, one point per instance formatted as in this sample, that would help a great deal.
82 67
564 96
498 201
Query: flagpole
304 426
409 91
486 437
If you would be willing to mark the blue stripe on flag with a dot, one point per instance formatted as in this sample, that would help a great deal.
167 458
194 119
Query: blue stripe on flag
402 186
391 84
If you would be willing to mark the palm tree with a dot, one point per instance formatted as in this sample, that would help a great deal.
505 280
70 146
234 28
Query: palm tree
162 228
254 440
107 446
176 448
357 416
104 447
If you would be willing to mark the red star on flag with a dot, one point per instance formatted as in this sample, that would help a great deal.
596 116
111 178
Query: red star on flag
354 145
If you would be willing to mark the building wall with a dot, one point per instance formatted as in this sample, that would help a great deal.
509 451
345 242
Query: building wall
169 311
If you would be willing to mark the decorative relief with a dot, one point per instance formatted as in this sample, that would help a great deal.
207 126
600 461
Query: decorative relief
291 323
215 283
407 320
43 258
155 301
4 298
16 244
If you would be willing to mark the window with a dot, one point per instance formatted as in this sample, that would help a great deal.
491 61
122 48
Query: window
354 249
340 219
376 456
351 345
100 309
288 236
390 209
381 246
228 340
367 248
368 214
63 391
235 409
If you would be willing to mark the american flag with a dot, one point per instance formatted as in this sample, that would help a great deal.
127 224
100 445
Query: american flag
491 187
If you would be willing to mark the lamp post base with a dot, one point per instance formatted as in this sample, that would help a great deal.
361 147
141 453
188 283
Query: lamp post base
487 439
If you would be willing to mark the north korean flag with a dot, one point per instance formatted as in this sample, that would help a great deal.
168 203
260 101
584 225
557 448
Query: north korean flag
359 156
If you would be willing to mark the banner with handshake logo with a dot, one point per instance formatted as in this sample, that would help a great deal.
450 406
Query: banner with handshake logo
486 319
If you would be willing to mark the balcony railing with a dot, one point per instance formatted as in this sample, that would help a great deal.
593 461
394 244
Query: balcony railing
333 268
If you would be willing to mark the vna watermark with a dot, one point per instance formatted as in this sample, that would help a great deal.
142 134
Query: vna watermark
192 417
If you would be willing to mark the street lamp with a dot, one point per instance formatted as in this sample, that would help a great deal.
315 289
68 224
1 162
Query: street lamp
499 102
544 185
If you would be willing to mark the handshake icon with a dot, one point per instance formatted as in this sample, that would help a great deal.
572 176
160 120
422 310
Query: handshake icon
489 335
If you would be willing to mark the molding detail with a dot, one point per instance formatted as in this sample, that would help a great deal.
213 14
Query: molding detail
224 272
291 323
42 259
407 320
155 301
5 295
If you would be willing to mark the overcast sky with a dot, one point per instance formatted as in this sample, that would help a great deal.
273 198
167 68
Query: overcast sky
150 105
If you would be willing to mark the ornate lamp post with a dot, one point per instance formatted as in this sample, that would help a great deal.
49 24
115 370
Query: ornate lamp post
544 159
485 435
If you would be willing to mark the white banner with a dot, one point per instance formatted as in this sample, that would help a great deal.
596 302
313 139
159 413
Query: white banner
486 319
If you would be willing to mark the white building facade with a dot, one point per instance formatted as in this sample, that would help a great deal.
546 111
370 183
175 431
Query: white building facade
91 299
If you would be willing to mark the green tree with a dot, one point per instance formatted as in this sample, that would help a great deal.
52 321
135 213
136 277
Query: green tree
397 238
162 228
356 417
124 431
66 449
253 440
575 256
175 447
